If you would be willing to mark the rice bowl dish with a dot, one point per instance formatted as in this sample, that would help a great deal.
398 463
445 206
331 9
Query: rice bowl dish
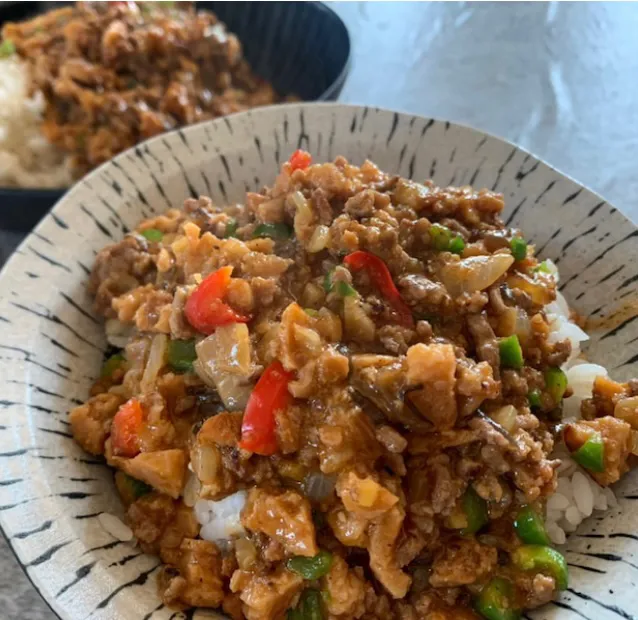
81 83
354 396
58 518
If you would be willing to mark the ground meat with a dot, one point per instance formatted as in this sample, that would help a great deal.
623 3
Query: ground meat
285 517
346 591
266 597
462 562
115 74
223 429
485 341
199 581
433 368
513 384
149 516
347 438
382 548
119 268
288 426
91 422
322 206
372 398
164 470
558 353
425 295
537 589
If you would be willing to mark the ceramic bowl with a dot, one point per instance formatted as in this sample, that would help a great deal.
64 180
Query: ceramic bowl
52 345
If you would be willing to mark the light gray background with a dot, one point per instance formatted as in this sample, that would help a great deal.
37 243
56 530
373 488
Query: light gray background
559 79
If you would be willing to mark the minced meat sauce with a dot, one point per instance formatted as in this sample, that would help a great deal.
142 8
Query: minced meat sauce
354 368
115 73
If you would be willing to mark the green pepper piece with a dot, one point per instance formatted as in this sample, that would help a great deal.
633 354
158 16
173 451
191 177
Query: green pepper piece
530 527
457 245
543 267
7 48
153 235
441 237
295 614
495 600
519 248
274 231
556 383
311 568
311 312
511 352
591 455
137 487
541 558
311 600
343 289
231 228
534 398
181 355
475 509
308 608
111 365
327 281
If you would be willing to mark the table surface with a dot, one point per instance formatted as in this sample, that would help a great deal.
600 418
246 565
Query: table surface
558 79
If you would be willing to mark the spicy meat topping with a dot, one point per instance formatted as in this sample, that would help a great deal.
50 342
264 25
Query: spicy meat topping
340 400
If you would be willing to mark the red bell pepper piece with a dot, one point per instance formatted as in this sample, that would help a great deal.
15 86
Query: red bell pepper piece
382 278
299 160
125 429
270 394
205 309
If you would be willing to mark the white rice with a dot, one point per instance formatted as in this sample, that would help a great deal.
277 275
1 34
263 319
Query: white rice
221 521
115 527
26 158
577 494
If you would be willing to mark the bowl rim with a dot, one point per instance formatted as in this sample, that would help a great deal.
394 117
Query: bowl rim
232 117
325 96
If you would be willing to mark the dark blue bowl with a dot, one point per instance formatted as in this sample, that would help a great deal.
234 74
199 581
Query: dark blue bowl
302 48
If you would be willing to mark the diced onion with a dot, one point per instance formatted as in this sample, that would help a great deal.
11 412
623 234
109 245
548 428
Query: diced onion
191 490
358 324
303 216
319 486
299 200
245 553
505 417
117 333
540 292
319 239
206 462
475 273
522 326
155 362
232 389
228 350
224 362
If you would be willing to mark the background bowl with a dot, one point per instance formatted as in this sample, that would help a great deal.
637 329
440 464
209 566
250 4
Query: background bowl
51 493
302 48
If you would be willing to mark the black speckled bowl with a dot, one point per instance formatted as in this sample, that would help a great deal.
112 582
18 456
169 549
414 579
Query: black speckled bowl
52 494
300 47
